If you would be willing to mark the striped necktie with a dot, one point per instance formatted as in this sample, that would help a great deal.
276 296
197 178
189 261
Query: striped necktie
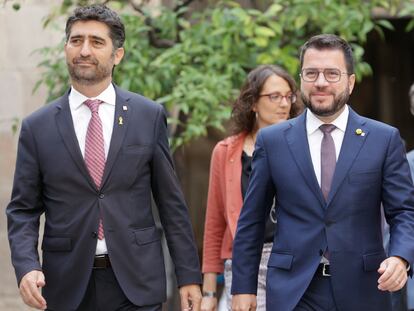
95 150
328 158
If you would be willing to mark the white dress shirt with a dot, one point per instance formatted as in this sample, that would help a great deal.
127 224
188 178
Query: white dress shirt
315 136
81 115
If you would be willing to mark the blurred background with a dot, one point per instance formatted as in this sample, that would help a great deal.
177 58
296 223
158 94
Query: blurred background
192 57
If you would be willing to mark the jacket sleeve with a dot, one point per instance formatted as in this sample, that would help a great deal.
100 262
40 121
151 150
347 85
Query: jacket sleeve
248 243
398 200
25 208
215 223
172 209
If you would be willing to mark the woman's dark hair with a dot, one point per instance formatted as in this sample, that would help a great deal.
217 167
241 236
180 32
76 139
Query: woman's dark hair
100 13
243 117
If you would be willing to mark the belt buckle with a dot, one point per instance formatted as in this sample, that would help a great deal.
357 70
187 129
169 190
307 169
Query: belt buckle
324 273
100 262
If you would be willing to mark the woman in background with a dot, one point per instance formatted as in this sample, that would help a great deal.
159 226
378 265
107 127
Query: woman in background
267 97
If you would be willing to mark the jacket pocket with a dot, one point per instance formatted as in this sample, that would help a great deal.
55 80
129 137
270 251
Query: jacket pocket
146 235
372 261
280 260
364 177
56 244
137 149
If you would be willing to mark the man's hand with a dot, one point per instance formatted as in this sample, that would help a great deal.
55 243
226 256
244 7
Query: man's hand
209 304
29 289
393 272
243 302
190 297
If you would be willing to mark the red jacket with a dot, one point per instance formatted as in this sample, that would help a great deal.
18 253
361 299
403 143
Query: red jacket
224 202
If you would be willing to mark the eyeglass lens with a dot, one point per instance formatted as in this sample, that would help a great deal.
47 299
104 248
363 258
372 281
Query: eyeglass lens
277 98
330 74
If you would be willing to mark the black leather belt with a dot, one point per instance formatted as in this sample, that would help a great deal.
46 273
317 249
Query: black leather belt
101 262
323 270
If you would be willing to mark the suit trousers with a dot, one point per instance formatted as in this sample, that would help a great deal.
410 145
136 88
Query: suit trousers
104 294
318 296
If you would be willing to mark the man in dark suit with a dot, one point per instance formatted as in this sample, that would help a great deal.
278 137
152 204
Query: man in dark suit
90 162
330 169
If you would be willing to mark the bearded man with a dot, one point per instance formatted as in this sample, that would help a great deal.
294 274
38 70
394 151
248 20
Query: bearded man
91 161
330 170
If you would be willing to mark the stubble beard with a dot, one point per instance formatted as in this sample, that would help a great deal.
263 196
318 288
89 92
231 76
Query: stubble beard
338 103
90 75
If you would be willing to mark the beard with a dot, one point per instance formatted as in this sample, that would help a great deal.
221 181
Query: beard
89 75
338 103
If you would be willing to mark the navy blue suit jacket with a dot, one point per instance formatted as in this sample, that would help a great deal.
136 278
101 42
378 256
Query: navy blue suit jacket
371 169
51 178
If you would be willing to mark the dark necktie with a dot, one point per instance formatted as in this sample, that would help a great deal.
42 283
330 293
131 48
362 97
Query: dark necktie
95 150
328 158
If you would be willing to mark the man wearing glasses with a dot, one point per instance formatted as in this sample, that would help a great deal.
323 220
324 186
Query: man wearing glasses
329 169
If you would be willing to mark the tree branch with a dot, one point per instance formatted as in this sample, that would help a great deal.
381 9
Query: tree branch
184 4
136 7
153 31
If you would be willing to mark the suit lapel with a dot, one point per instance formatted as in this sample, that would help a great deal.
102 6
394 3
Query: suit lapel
297 140
351 145
122 110
64 124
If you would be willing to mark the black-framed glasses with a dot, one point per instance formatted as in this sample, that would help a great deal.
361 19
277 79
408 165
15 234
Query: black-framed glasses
330 74
276 98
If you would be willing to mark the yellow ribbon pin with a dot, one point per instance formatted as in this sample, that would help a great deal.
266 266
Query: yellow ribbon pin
120 121
359 132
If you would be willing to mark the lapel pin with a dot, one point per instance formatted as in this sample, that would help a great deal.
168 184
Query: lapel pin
124 108
359 132
120 121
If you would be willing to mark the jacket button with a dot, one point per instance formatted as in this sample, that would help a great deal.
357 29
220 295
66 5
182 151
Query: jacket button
94 235
101 195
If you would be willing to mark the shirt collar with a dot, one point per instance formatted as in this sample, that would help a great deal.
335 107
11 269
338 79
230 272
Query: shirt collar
313 123
76 99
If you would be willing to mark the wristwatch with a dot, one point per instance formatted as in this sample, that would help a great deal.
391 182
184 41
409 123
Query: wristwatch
209 294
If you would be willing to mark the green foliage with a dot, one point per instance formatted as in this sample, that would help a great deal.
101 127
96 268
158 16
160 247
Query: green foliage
408 11
200 74
55 75
15 125
16 6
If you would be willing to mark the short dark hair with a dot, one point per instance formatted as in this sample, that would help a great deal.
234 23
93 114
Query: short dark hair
243 117
329 42
103 14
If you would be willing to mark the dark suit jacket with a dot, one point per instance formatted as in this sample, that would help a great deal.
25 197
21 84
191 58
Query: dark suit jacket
371 169
51 178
